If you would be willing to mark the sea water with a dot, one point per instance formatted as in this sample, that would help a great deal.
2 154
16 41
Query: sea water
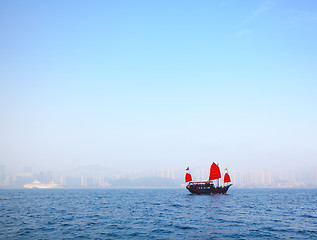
157 214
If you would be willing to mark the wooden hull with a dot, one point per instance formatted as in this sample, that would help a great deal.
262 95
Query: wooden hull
206 188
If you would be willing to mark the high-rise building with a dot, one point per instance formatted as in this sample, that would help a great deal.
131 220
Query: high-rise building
2 175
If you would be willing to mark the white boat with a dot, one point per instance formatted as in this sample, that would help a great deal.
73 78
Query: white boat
37 184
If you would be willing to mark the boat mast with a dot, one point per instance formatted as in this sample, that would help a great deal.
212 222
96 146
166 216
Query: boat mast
224 180
227 179
188 177
218 178
215 173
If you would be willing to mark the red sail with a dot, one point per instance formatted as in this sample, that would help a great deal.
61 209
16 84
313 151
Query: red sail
214 172
227 178
188 177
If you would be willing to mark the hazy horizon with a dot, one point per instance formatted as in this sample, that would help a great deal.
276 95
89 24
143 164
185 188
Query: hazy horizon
146 85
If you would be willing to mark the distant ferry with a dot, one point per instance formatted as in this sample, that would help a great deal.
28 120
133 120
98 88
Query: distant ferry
208 187
37 184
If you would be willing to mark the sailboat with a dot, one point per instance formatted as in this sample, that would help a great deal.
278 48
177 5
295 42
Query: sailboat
208 187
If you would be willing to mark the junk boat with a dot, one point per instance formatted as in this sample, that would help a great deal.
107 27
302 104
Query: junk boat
208 187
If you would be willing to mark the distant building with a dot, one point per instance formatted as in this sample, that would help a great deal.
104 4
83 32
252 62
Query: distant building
73 181
44 176
2 175
21 178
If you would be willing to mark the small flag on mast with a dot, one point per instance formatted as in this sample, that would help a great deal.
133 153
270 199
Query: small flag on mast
187 169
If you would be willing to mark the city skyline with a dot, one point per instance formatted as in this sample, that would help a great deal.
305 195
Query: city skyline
102 177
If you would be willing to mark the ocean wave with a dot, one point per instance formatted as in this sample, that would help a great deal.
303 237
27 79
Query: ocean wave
157 214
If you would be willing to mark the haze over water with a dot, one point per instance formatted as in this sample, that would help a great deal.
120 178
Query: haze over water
145 85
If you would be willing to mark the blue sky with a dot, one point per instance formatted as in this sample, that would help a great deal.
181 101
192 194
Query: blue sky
158 84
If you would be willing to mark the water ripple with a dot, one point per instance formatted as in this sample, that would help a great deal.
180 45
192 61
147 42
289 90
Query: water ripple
157 214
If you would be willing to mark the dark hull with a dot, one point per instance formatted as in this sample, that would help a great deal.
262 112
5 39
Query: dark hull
206 188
